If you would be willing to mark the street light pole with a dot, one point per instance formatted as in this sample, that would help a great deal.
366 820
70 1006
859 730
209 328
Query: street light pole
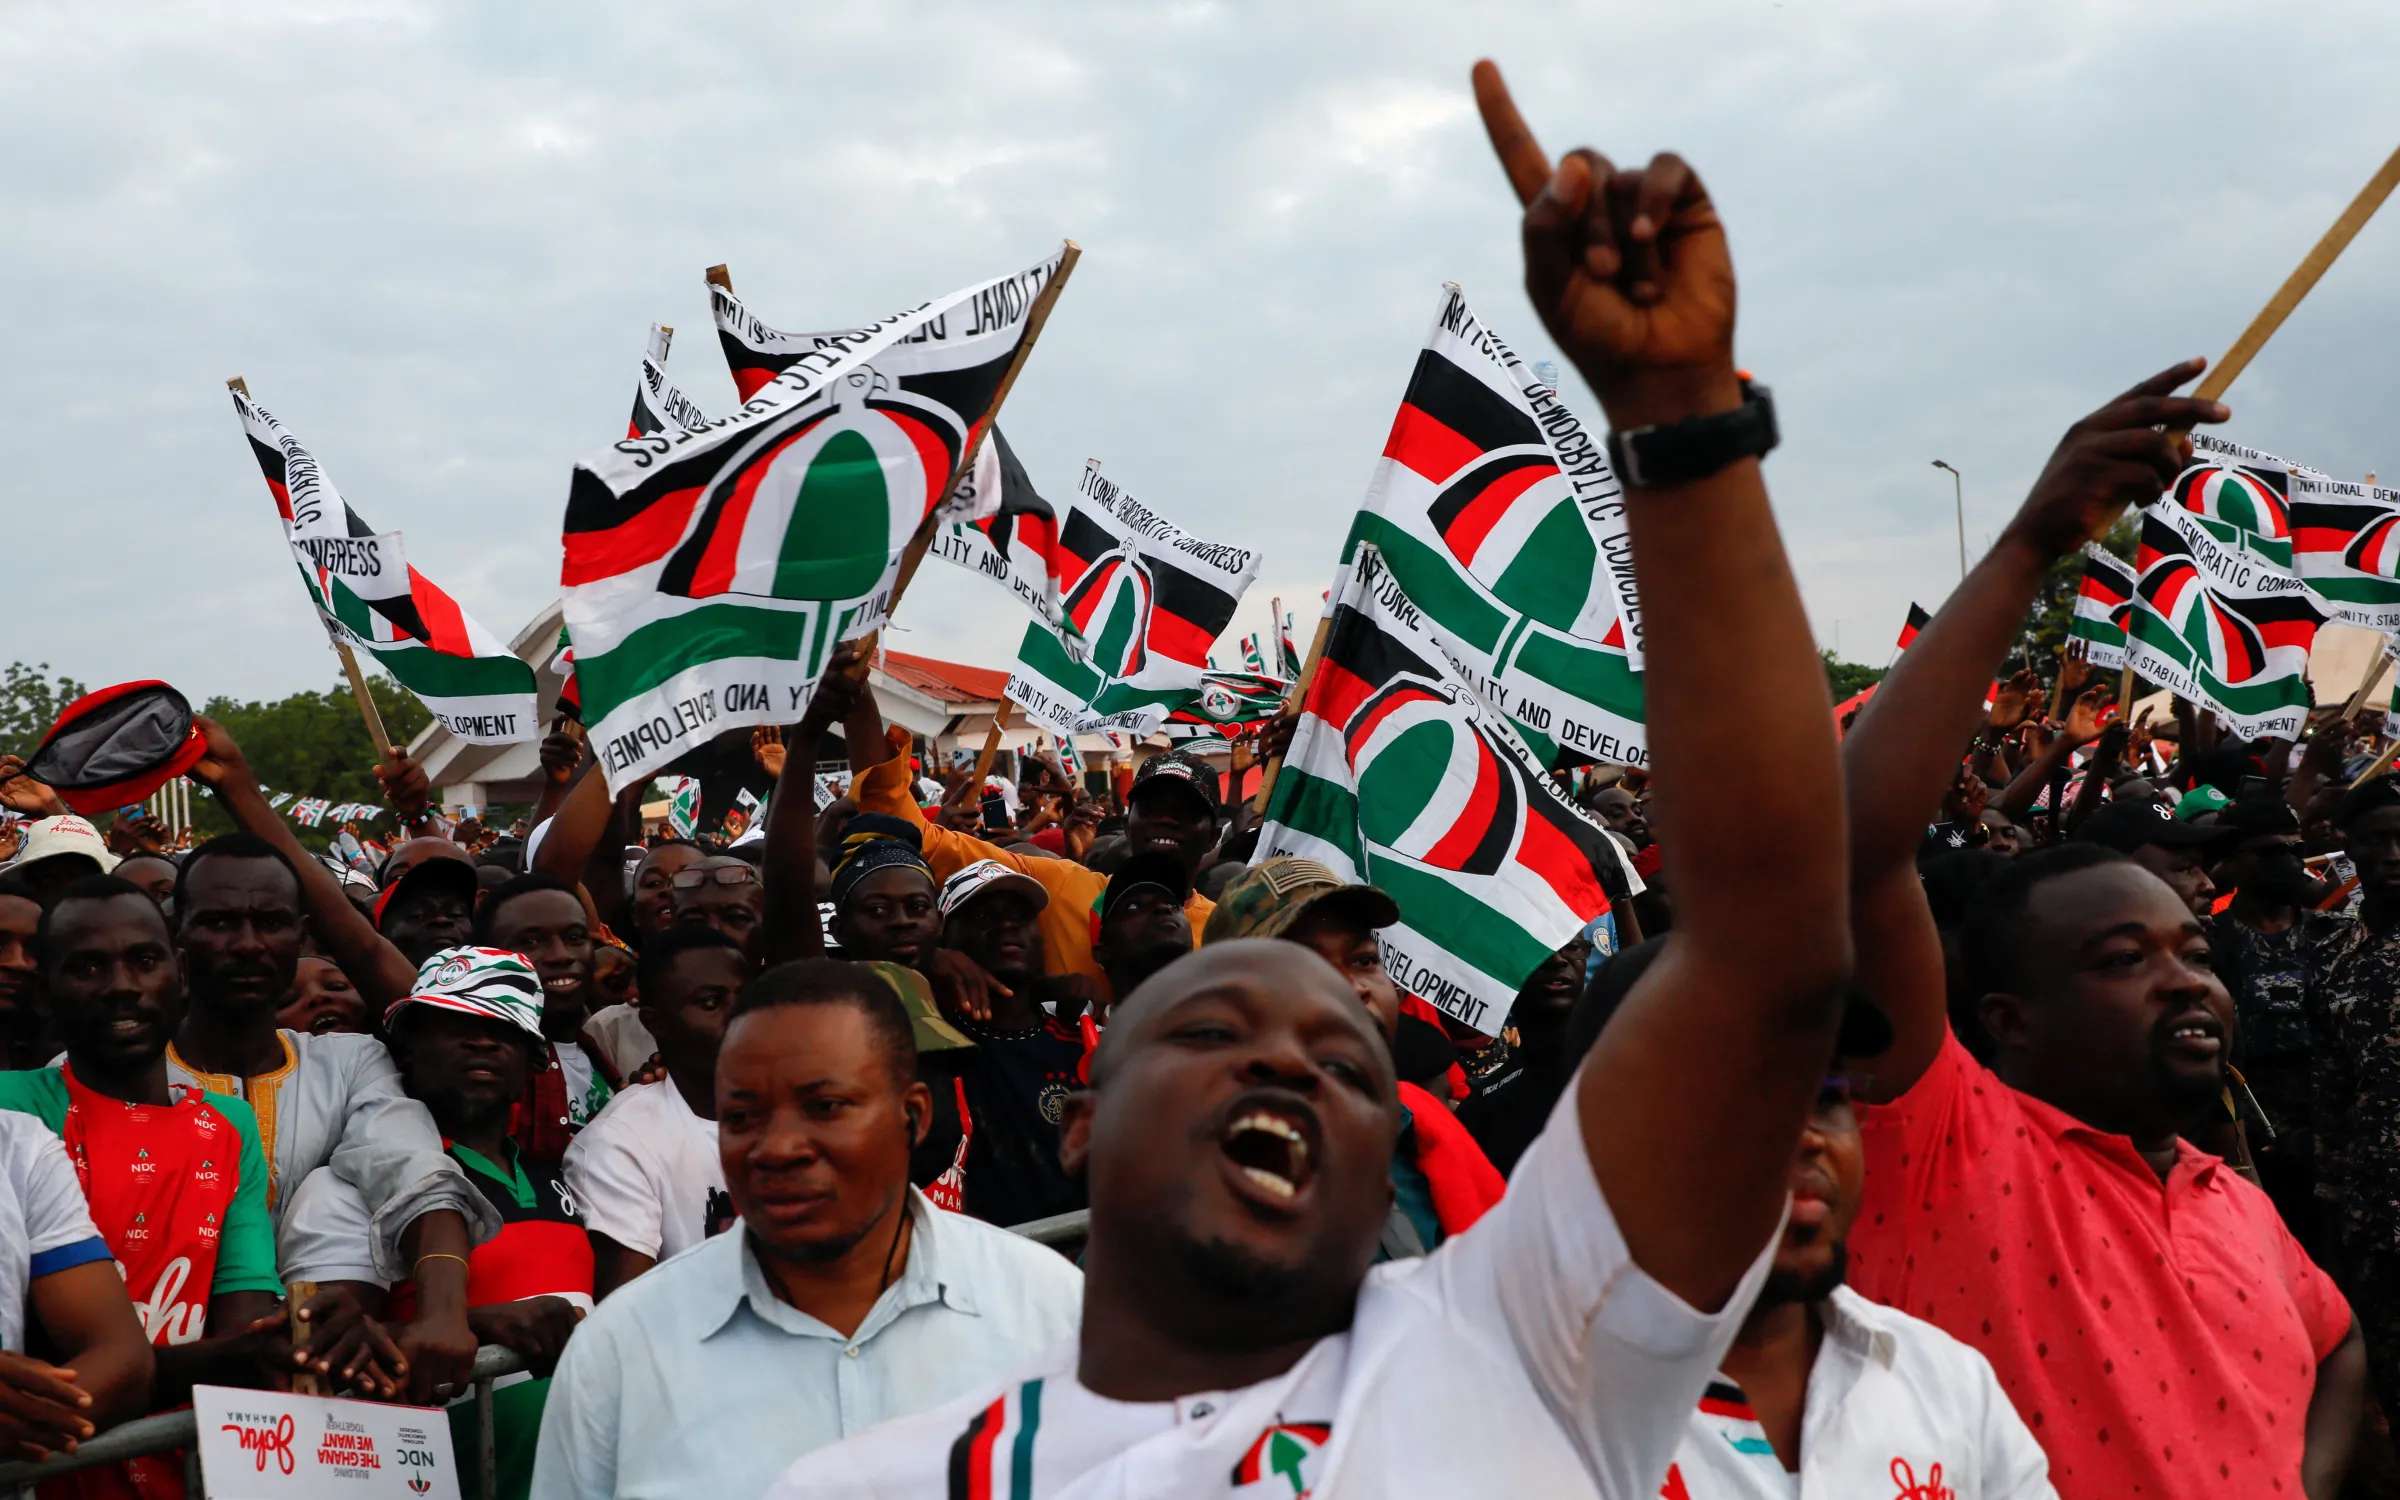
1958 497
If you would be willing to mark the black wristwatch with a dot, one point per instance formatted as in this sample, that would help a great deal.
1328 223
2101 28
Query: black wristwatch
1650 458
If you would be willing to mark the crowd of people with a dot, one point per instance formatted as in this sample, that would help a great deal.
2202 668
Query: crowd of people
1963 1101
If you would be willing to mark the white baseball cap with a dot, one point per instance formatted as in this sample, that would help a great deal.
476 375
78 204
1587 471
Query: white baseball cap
985 875
65 834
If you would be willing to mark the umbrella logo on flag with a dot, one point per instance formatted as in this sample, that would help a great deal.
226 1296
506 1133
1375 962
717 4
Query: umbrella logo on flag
1510 520
2376 549
2236 497
1111 605
1218 702
2227 644
1432 786
818 512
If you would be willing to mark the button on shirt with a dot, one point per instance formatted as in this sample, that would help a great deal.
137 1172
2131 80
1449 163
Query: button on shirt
2159 1338
696 1382
1894 1405
1527 1357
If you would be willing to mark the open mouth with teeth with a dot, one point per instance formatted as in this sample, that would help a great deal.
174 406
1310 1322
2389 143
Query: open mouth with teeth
1271 1152
2197 1034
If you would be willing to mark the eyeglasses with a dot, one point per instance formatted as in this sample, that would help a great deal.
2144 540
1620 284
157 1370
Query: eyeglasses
1835 1111
692 880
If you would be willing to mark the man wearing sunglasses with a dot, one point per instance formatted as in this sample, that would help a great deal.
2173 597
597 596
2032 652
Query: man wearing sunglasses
1832 1393
724 893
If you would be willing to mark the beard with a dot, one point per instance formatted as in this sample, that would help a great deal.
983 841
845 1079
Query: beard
1783 1287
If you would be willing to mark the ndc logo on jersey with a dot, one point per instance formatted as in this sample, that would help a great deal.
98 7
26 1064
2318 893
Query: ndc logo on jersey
1283 1461
1433 784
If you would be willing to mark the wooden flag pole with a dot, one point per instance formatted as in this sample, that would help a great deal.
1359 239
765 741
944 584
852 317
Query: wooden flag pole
991 745
1291 704
366 702
2379 764
2305 276
914 553
358 680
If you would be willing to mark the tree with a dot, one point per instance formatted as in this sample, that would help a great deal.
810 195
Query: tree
314 745
29 703
1845 678
2044 633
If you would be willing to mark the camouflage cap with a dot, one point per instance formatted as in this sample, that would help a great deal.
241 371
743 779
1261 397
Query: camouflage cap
1265 900
933 1033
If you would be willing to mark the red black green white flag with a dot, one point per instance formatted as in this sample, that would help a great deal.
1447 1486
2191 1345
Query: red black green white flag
1495 506
2102 598
1014 539
709 574
2211 622
2346 547
368 596
1402 776
657 405
1917 620
1143 599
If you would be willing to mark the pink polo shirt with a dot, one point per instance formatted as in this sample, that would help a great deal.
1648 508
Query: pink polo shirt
2159 1338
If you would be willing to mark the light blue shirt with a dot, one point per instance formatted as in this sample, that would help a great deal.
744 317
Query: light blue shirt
696 1382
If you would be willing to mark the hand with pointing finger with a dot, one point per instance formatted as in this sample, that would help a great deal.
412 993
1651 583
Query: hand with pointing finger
1627 267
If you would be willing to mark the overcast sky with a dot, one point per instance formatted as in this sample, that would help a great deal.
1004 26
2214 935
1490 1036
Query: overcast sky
432 237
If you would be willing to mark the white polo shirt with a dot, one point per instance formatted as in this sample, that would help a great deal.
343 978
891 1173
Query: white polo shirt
1894 1406
1528 1356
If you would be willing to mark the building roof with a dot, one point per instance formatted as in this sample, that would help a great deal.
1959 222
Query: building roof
949 681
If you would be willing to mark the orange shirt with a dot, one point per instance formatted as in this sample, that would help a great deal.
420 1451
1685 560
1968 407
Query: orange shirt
1066 923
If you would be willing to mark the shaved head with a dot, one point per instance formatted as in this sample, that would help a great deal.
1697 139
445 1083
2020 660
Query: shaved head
1264 962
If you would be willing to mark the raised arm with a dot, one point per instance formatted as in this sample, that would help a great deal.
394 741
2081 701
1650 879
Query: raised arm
348 938
1905 746
789 868
1693 1099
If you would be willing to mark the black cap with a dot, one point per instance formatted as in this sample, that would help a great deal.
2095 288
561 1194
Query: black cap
2127 823
2253 816
1178 769
2364 798
1156 868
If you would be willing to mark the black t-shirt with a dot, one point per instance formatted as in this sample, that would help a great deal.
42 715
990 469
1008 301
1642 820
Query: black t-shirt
1017 1088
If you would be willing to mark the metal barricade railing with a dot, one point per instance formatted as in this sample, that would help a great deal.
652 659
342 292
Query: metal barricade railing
170 1430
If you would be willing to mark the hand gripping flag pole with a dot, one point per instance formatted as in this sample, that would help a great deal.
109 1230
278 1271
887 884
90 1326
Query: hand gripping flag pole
1291 705
1035 317
991 745
341 648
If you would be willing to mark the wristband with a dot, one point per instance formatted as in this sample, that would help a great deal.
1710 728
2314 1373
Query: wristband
1672 453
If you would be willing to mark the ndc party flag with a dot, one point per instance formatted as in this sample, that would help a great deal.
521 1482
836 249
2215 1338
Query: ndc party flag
569 704
2346 548
2243 494
1008 532
683 803
1143 598
1495 510
710 574
2101 600
1402 777
1075 697
2212 623
1917 620
657 405
1227 706
1287 644
1254 654
368 595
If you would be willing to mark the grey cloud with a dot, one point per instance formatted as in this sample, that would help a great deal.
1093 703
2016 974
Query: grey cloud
431 236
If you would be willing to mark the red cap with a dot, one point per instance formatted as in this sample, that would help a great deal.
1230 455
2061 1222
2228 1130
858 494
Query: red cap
117 746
